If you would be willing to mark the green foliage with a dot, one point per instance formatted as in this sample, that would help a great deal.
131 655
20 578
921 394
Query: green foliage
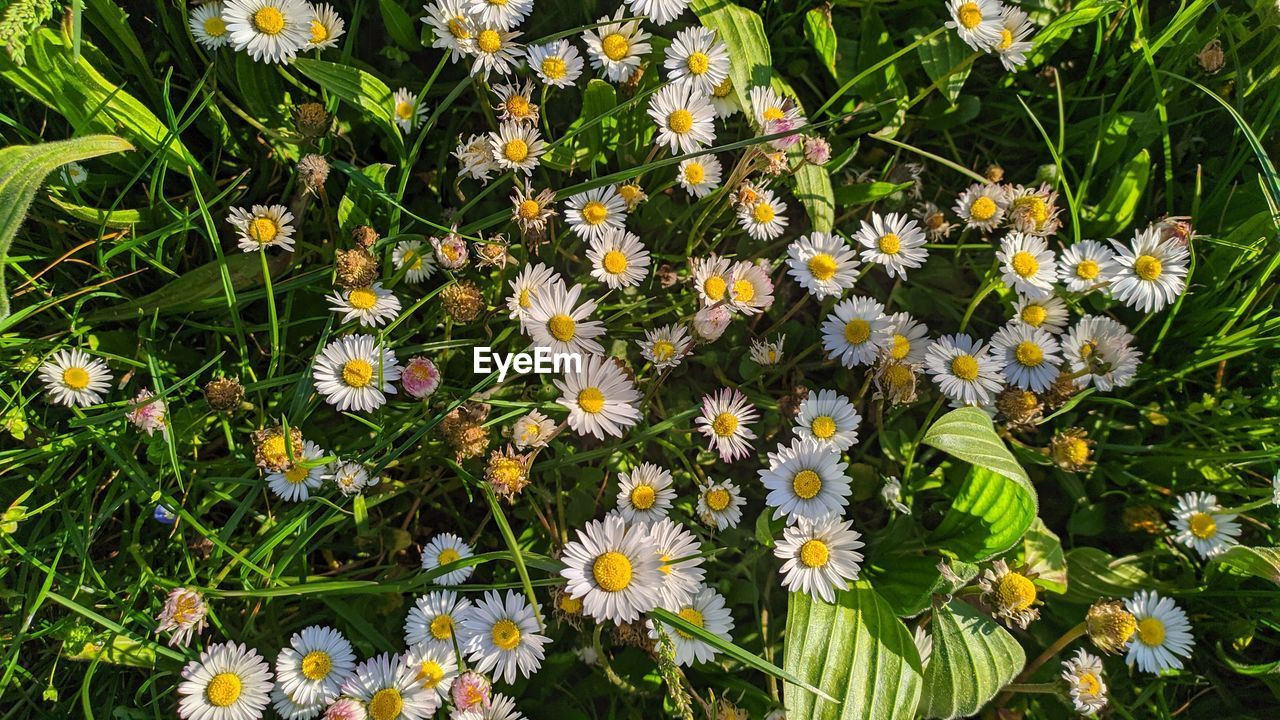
971 660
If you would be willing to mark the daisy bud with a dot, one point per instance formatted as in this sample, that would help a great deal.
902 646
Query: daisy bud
364 236
183 615
1071 450
147 415
817 151
465 432
994 173
1019 408
470 690
1109 625
1142 519
269 448
313 171
224 394
346 709
463 301
356 268
420 378
311 120
507 473
1211 58
711 322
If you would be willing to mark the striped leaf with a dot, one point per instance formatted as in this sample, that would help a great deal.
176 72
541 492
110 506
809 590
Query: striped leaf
972 659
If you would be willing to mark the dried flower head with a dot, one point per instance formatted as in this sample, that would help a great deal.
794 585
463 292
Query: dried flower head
1019 408
1211 57
463 301
183 615
313 171
311 120
493 252
270 451
566 608
1063 389
1109 625
789 404
464 430
1072 450
364 236
356 268
896 381
934 221
507 472
224 394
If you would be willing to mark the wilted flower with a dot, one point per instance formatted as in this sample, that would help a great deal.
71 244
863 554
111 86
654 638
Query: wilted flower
532 430
420 377
183 615
1019 408
270 452
148 415
356 268
507 473
817 151
464 430
891 493
1071 449
1010 595
1109 625
224 394
311 120
313 171
1211 57
463 301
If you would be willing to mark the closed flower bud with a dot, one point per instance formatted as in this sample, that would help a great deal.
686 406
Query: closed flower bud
311 120
817 151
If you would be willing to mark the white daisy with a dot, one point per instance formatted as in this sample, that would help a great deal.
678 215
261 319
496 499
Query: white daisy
516 102
710 322
618 259
660 12
475 158
372 306
557 63
1028 264
823 264
680 560
711 278
326 27
1049 313
720 504
1163 637
555 320
601 399
314 666
750 289
616 49
434 619
1203 526
856 331
1031 356
965 371
406 109
1101 348
828 419
909 340
351 477
208 27
517 146
290 710
819 558
645 493
525 287
697 59
451 25
355 373
228 682
763 217
725 100
612 567
502 636
775 114
1014 42
894 241
436 666
444 549
417 263
977 22
806 481
262 227
73 173
1150 273
767 352
705 610
981 206
305 475
724 420
75 379
532 430
502 14
684 118
596 212
270 31
699 175
388 686
1085 265
500 707
666 346
494 50
1083 674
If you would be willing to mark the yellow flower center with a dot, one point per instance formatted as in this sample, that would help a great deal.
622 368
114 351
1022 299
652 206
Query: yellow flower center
516 150
554 68
1202 525
430 673
1034 207
362 298
1015 592
897 375
965 367
1024 263
274 451
562 327
890 244
386 704
591 400
822 266
823 427
612 571
319 33
215 27
458 28
1151 631
694 173
970 15
615 46
263 230
519 106
643 497
714 287
529 209
595 212
1028 354
316 665
806 484
570 605
1006 39
489 41
1076 451
1088 683
441 627
691 616
773 113
269 21
1034 315
296 474
223 689
447 556
856 331
1147 267
983 209
763 213
723 89
615 263
717 499
724 424
1087 270
75 378
743 290
404 110
412 260
900 348
499 3
698 63
680 121
663 351
357 373
814 553
505 634
631 192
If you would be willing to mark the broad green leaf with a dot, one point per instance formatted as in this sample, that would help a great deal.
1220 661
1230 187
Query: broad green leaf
813 190
944 60
972 659
855 650
101 216
263 96
909 582
188 292
820 34
399 25
22 170
1262 562
358 203
598 99
1094 574
989 515
968 434
863 193
353 86
1042 554
1118 208
885 87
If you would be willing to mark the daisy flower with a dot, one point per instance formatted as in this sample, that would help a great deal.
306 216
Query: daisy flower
557 63
290 710
724 100
517 102
645 493
666 346
532 430
451 24
767 353
750 289
372 306
724 420
228 682
705 610
1083 674
823 264
601 399
531 212
828 419
517 146
1202 525
660 12
352 477
908 341
494 50
763 217
618 259
684 118
1028 264
697 59
819 558
437 667
501 14
710 322
451 251
417 264
632 194
314 666
977 22
1030 356
1150 273
326 28
1010 595
611 566
981 206
1032 211
388 686
355 373
73 173
806 481
207 25
699 175
856 331
1163 637
596 212
1049 313
617 48
296 483
711 278
74 378
434 620
444 549
262 227
894 241
555 320
1100 348
270 31
965 371
720 504
420 378
1014 42
526 286
183 615
475 158
775 114
471 691
501 636
1085 265
500 707
680 560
